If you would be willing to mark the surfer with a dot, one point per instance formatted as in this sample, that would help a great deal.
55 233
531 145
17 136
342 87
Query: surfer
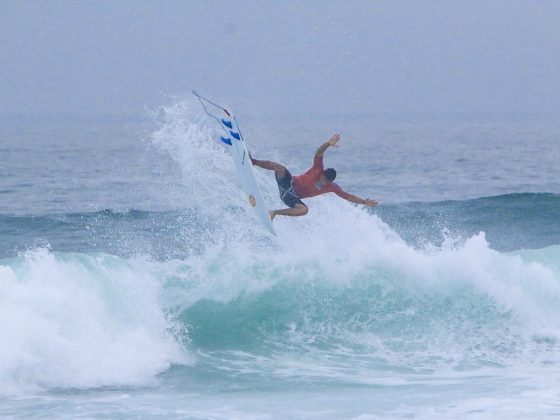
315 181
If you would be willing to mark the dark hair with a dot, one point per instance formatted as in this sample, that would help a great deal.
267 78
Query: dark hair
330 174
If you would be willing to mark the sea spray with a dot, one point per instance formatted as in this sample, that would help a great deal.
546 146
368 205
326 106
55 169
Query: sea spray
190 139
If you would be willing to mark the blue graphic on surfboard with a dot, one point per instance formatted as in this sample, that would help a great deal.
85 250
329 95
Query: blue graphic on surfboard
245 171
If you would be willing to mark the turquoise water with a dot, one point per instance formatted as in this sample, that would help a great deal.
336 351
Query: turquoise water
135 282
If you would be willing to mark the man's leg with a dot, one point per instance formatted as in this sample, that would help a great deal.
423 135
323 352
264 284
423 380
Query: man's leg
297 210
279 170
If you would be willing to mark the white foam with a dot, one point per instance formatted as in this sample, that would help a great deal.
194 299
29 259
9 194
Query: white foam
71 320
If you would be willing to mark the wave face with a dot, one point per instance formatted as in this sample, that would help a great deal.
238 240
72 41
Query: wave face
329 310
510 221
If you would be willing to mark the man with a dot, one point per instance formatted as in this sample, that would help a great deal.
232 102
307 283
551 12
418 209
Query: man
314 181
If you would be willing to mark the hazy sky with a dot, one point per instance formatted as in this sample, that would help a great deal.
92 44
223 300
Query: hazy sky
377 57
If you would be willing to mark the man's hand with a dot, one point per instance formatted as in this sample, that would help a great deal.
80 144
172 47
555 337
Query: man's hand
359 200
333 140
330 142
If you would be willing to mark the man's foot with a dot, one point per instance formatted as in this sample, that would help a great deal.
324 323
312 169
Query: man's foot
272 214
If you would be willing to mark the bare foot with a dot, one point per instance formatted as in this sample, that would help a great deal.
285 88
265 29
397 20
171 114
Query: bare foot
272 214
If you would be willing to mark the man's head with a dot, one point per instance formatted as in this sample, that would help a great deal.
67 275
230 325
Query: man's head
330 174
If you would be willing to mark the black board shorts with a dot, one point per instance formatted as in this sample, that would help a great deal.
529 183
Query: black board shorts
287 192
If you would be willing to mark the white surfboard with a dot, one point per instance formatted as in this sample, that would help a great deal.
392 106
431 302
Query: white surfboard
245 172
243 166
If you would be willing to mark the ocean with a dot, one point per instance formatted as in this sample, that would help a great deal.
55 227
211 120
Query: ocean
135 282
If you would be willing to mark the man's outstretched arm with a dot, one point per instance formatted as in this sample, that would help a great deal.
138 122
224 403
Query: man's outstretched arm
353 198
331 142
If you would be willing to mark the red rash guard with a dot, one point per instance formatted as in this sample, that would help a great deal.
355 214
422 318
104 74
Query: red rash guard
305 184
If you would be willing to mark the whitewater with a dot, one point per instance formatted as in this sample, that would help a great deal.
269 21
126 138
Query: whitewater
136 282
